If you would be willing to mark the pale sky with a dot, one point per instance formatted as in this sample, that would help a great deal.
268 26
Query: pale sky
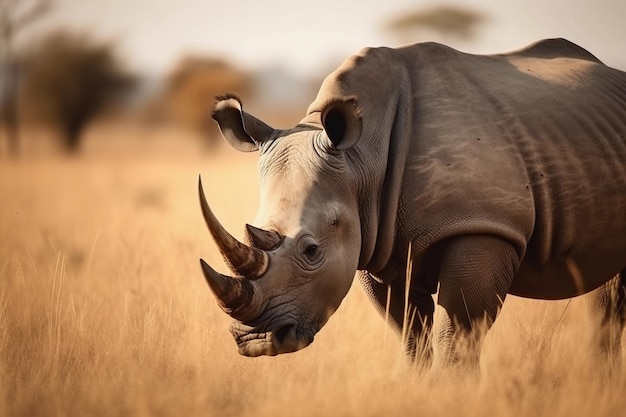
314 36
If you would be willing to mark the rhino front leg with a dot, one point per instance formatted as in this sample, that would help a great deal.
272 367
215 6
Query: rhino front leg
414 322
608 309
476 272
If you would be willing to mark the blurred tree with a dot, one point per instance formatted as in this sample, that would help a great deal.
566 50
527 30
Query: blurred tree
15 16
68 79
451 21
191 88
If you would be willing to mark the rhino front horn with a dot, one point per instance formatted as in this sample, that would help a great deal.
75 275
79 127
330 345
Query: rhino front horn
235 296
243 260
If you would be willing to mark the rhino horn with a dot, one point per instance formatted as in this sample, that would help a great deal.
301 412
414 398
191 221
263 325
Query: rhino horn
234 295
262 239
241 259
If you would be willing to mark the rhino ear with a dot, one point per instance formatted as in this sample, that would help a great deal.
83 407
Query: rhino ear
342 123
243 131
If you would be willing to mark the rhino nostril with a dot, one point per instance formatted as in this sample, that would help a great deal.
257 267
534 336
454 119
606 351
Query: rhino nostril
282 333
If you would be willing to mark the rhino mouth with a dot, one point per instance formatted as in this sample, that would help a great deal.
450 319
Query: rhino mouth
284 337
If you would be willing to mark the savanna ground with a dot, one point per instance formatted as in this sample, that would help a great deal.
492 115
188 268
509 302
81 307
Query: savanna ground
104 310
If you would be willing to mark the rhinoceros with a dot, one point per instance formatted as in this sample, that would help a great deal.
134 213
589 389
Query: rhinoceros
424 170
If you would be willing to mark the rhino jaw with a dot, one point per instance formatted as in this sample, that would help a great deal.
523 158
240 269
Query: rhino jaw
284 337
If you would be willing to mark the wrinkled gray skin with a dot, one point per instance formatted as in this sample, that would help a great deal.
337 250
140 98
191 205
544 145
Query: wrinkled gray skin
501 174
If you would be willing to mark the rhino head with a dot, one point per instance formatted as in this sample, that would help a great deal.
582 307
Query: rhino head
300 259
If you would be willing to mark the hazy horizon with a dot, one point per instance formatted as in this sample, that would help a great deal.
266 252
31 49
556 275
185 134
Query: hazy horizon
152 36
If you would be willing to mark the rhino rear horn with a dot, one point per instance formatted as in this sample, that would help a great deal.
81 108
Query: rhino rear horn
241 259
262 239
243 131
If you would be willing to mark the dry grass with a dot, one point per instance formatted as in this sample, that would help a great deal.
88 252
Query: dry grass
103 311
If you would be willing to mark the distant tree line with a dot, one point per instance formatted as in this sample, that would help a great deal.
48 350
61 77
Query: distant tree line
447 21
67 79
190 89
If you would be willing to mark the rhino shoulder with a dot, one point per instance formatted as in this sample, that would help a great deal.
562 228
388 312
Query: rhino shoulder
369 59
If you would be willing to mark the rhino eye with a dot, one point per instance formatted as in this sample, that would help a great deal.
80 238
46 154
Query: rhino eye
311 251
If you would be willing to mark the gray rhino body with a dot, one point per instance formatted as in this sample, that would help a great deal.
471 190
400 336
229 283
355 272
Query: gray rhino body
485 175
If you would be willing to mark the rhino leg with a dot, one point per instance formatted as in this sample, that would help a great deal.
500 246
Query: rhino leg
476 272
608 309
390 301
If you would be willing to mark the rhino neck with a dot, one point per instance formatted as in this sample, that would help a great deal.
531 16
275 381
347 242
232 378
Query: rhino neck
377 162
380 191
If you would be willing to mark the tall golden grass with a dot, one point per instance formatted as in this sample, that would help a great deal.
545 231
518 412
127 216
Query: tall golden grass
104 311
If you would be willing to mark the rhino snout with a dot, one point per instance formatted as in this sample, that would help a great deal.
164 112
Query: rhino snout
282 338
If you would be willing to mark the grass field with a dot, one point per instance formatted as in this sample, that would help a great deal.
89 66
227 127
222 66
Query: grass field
104 311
